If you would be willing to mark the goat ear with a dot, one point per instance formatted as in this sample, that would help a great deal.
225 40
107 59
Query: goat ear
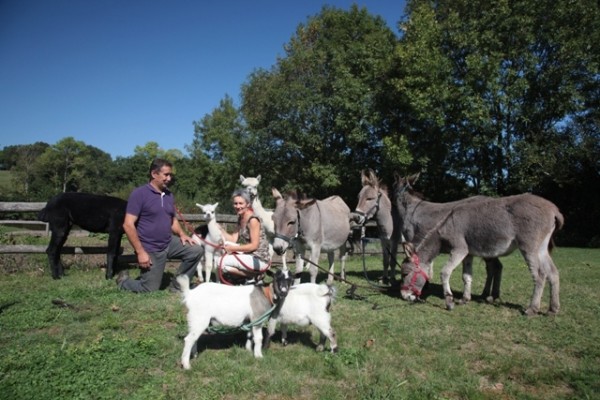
215 205
276 194
242 178
258 178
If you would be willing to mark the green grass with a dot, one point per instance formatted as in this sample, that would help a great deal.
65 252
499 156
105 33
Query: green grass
112 345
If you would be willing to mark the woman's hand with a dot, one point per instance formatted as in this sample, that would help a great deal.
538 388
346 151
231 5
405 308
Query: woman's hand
232 247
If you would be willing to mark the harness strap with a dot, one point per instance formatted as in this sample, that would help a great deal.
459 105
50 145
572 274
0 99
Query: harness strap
187 225
417 272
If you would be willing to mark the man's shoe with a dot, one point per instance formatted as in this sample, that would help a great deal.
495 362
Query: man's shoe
122 277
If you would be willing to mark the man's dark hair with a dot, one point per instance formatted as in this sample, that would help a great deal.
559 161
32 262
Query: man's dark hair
157 165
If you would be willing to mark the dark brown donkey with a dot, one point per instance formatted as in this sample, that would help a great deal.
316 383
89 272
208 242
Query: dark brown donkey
489 228
92 212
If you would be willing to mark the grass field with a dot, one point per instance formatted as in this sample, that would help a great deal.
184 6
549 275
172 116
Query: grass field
106 344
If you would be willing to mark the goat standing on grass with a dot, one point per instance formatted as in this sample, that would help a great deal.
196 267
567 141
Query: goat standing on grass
212 242
305 304
213 304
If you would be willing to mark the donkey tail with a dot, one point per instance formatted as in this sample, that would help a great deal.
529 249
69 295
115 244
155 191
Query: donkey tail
559 222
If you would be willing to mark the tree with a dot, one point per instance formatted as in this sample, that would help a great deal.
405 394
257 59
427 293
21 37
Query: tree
21 162
220 152
491 84
71 165
316 117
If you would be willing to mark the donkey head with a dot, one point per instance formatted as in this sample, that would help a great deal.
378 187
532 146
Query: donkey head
368 198
285 221
404 183
414 277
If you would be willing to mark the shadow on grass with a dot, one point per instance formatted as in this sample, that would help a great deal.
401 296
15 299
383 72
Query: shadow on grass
218 341
368 283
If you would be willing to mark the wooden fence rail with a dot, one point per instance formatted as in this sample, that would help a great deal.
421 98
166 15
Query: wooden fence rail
10 207
13 207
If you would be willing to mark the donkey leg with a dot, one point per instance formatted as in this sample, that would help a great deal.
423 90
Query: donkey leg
299 267
539 280
467 277
489 279
331 261
553 279
393 259
456 257
314 259
343 255
386 249
493 269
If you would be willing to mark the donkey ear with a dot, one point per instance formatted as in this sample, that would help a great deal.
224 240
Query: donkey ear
413 178
276 194
304 203
409 249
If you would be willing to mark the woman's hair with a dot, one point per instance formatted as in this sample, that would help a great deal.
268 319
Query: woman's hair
243 194
157 165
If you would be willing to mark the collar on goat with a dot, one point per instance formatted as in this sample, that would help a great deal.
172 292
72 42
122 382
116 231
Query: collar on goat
268 292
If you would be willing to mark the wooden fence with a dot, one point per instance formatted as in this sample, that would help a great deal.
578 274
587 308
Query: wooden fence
188 220
43 229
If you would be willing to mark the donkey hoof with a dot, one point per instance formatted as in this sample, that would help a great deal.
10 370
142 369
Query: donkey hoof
450 306
490 300
531 312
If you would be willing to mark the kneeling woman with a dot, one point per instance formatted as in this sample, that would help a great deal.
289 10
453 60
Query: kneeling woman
247 249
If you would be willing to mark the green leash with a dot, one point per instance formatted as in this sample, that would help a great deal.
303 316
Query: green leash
228 330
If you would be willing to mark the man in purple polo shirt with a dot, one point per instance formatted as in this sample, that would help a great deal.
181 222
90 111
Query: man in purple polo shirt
154 232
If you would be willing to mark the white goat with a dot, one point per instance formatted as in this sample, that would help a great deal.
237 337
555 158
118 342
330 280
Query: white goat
251 186
305 303
223 305
212 242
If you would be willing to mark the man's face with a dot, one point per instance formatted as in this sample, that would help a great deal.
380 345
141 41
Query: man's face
162 178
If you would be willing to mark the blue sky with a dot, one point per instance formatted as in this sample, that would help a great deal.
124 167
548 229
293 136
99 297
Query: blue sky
116 74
